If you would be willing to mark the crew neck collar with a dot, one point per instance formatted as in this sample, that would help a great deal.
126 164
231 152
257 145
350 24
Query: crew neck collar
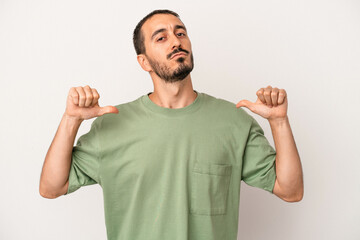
172 111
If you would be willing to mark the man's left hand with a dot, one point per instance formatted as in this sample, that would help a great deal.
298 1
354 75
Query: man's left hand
271 103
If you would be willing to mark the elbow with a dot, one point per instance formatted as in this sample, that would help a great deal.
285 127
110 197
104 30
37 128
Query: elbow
46 193
296 197
289 194
293 199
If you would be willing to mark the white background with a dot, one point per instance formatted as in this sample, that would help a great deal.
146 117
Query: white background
310 48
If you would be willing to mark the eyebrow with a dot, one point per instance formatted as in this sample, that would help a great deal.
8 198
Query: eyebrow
163 30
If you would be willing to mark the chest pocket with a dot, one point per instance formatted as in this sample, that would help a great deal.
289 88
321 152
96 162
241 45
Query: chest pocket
210 187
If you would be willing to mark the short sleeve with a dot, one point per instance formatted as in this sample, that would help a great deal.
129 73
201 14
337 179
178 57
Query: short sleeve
85 164
258 160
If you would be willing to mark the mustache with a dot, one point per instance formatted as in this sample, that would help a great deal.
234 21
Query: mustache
177 51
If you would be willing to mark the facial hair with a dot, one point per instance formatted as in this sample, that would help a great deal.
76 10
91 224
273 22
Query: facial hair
164 72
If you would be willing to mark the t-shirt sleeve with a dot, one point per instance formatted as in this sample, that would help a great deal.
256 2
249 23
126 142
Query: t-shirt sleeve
85 164
258 160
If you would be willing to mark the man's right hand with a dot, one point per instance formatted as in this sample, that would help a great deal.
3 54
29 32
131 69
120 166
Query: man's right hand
82 103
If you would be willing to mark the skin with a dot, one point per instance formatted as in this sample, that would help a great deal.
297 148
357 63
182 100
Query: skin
82 104
170 95
272 104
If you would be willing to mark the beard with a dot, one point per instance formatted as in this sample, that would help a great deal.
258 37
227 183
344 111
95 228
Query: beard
180 73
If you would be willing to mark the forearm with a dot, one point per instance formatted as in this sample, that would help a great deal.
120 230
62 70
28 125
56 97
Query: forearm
57 162
288 165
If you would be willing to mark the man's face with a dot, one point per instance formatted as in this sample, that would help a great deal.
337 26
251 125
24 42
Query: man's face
168 47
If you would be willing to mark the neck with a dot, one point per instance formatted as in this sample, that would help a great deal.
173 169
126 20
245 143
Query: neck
173 95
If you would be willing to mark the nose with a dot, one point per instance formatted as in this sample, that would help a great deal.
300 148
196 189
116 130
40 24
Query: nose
175 42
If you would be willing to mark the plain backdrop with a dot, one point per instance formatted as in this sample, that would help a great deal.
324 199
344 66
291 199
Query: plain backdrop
310 48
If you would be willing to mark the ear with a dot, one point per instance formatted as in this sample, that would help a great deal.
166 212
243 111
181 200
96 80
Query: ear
144 63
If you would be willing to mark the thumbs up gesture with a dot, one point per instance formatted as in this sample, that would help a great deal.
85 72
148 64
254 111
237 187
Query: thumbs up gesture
271 103
82 103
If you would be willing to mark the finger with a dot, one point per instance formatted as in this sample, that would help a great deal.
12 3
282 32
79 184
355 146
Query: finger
74 96
108 109
82 96
96 96
274 96
89 96
260 94
267 93
282 95
247 104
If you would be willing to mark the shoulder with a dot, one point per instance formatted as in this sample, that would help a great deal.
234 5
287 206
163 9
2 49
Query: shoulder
127 111
226 108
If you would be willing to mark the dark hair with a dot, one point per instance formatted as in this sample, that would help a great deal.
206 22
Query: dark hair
138 37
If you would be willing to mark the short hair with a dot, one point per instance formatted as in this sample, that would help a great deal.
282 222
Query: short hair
138 36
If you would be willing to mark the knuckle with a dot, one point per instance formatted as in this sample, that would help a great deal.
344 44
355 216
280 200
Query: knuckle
79 89
96 93
260 91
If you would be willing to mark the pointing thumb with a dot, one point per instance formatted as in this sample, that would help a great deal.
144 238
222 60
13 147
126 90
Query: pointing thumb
244 103
108 109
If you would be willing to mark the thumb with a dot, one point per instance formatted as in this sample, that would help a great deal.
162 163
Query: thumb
245 103
107 109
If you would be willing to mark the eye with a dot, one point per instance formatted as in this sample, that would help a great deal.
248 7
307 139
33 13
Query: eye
160 39
179 34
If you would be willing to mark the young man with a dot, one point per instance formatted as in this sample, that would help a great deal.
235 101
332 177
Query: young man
170 163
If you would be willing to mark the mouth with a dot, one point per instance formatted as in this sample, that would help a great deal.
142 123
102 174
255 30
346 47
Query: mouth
178 55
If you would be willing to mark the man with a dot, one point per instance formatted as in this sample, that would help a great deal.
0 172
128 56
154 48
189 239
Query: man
170 163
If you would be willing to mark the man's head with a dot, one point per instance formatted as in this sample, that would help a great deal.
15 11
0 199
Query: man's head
157 38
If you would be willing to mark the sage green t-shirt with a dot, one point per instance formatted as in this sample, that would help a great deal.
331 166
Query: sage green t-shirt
173 174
